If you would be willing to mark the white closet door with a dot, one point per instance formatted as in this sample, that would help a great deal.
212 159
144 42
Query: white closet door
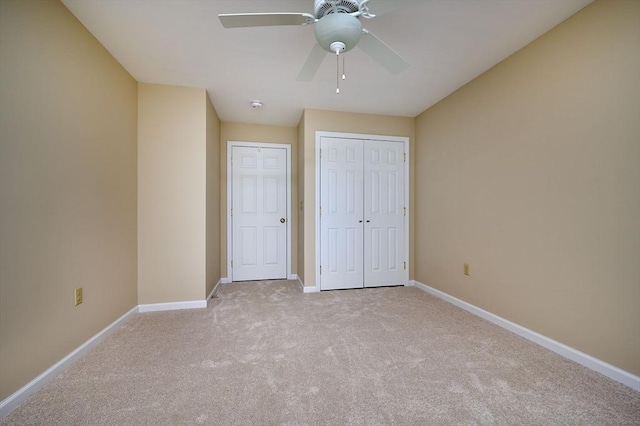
259 202
341 220
384 203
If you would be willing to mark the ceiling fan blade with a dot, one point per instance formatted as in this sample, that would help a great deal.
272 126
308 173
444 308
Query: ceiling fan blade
382 7
381 53
312 63
239 20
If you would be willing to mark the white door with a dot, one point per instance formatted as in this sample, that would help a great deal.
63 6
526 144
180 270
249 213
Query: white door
384 213
362 219
341 216
259 213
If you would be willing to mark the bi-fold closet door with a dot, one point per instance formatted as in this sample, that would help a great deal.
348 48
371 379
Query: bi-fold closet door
362 213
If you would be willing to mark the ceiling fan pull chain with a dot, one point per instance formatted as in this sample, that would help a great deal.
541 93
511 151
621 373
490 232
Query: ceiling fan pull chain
343 72
337 71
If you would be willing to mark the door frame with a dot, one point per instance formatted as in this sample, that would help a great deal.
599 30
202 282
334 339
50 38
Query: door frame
230 145
319 135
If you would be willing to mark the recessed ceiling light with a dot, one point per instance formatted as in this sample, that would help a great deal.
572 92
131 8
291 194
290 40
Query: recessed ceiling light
256 104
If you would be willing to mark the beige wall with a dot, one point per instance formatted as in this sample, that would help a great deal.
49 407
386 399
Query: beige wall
531 174
213 198
319 120
67 188
172 177
239 132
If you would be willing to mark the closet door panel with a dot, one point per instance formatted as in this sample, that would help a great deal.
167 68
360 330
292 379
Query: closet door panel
384 205
341 227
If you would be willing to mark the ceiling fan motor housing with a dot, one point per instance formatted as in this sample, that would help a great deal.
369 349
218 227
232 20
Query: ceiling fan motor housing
325 7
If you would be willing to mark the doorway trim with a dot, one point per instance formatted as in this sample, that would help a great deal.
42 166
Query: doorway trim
230 145
404 139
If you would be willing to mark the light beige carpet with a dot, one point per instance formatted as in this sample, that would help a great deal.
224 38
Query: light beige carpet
266 354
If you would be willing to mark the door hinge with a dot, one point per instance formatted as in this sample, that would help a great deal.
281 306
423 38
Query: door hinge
320 270
320 153
404 211
404 265
232 263
404 157
231 212
232 160
320 211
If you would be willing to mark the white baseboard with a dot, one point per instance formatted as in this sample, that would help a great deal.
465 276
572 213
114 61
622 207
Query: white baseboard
290 277
568 352
305 289
172 306
213 292
11 402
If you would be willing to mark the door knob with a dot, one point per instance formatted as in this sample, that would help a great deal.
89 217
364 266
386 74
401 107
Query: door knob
282 220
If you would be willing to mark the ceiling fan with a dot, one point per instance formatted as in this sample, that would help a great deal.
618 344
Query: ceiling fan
337 28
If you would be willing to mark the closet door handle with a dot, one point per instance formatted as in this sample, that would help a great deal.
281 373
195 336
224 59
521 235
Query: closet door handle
359 221
368 221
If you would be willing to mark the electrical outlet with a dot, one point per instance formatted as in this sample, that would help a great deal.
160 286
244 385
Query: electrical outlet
78 295
466 269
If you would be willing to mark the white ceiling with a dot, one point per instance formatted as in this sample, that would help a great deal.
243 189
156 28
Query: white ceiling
182 42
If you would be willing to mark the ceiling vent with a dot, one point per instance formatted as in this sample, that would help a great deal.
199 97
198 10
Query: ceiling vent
326 7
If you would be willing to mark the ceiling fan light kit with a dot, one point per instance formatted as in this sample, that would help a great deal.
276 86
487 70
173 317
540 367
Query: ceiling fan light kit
337 29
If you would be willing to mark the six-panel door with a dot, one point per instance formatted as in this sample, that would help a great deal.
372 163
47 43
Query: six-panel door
384 213
341 216
259 203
